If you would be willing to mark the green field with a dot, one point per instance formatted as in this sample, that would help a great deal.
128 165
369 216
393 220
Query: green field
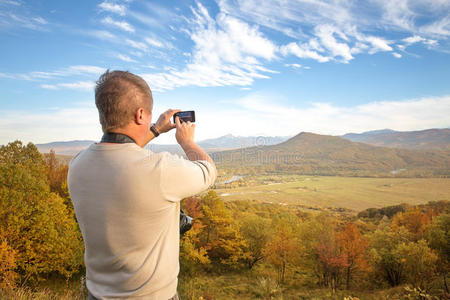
353 193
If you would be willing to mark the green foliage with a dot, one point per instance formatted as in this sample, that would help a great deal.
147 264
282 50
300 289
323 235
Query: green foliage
220 235
418 262
256 232
35 222
384 255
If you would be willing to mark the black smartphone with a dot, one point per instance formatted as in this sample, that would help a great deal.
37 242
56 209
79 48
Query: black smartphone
185 116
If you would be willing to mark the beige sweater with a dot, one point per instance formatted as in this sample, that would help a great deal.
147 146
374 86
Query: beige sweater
126 201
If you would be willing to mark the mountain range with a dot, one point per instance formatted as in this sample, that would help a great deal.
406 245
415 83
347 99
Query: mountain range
431 139
423 139
225 142
364 154
310 153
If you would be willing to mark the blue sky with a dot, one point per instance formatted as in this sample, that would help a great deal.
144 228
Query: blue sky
246 67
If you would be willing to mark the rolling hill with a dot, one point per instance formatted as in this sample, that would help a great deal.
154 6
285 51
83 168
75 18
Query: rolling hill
225 142
438 139
309 153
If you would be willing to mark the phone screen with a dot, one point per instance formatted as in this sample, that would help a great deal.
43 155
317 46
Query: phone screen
185 116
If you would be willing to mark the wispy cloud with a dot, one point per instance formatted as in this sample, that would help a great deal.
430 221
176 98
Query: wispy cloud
138 45
80 85
118 24
81 70
338 30
226 51
125 58
119 9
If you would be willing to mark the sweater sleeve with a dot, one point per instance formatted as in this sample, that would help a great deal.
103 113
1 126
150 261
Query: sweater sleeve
181 178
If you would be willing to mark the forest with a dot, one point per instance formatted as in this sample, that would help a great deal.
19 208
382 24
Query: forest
240 249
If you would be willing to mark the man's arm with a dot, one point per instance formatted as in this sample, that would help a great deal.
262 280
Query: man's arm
185 137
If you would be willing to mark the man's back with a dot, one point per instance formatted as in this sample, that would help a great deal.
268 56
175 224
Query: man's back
126 201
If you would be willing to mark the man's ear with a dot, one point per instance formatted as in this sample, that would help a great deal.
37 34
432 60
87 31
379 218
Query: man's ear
140 116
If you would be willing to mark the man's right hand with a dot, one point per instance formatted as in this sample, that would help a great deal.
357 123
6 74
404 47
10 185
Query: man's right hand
185 132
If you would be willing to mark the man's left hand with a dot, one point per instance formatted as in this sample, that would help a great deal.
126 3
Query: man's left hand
164 124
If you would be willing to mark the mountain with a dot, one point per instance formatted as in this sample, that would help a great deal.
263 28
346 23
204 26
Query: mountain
64 148
311 153
225 142
231 141
438 139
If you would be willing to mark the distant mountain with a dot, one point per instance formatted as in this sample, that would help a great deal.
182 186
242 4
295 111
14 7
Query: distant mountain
231 141
225 142
311 153
64 148
424 139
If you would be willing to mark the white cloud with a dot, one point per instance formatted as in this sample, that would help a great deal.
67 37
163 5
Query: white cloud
257 110
80 85
76 123
250 116
226 51
119 24
112 7
303 51
378 44
154 42
396 55
296 66
138 45
101 34
82 70
125 58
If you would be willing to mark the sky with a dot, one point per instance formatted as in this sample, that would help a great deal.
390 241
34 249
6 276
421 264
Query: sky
248 68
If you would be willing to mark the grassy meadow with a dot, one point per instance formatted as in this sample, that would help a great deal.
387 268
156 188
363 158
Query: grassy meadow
354 193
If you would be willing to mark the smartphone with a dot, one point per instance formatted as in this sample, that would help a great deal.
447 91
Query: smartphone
185 116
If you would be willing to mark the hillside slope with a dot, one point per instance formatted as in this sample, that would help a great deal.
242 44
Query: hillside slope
330 155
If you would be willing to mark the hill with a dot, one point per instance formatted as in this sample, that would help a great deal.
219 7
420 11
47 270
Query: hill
225 142
424 139
310 153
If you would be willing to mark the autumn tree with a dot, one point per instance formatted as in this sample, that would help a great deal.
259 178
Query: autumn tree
256 232
34 221
317 236
438 236
282 250
220 234
414 220
57 176
418 262
8 275
384 255
354 246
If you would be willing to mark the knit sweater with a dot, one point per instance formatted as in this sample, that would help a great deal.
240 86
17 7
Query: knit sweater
127 204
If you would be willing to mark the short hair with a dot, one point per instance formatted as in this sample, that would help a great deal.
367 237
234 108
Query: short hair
118 95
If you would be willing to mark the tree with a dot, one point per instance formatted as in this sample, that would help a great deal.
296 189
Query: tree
353 245
384 254
283 248
57 176
34 221
256 232
438 236
7 265
317 236
220 235
414 220
418 260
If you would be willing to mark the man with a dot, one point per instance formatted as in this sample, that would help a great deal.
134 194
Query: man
127 199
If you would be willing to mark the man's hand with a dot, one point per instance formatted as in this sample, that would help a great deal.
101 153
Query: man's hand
185 132
164 124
